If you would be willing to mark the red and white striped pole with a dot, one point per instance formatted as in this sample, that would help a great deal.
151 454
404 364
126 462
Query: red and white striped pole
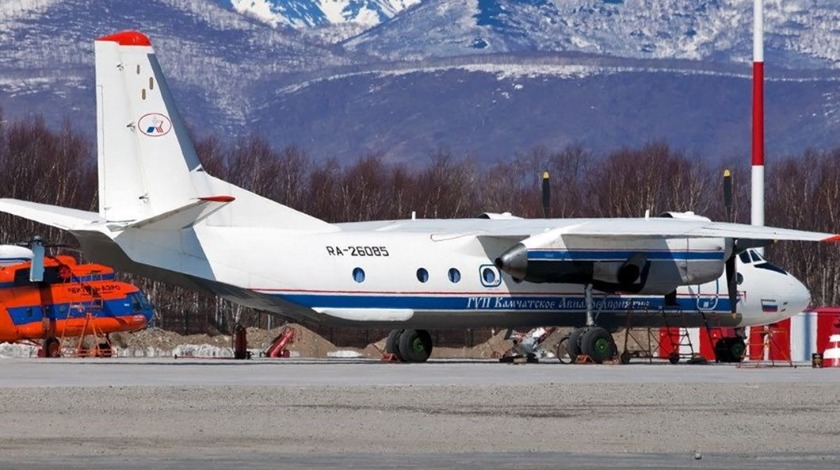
757 212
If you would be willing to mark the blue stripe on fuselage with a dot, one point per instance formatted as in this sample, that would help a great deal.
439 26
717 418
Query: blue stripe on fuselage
597 255
35 313
498 302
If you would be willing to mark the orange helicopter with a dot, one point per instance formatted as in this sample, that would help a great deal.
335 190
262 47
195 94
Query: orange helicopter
46 299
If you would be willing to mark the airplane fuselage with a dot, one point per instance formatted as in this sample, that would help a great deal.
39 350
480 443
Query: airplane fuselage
399 272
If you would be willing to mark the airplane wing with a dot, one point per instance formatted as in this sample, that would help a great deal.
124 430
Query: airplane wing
654 228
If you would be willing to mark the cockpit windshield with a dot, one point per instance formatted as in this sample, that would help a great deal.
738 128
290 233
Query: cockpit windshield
756 259
139 302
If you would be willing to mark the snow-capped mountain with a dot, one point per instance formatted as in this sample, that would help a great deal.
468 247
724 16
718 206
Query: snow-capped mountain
309 13
487 78
799 33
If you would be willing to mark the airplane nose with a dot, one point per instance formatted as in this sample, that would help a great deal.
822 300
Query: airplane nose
798 297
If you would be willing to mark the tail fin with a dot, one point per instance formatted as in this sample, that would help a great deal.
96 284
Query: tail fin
148 167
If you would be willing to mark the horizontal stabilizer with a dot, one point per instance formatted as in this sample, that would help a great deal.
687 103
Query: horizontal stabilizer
184 216
54 216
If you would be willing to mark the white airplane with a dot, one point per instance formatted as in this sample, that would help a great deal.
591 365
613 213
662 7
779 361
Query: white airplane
161 215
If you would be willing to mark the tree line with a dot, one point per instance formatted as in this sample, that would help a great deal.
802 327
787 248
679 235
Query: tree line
58 166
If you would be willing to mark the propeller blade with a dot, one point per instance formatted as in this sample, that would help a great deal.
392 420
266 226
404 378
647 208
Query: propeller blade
546 194
732 282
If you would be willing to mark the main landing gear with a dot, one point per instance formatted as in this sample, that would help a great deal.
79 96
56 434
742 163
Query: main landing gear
730 349
409 345
591 340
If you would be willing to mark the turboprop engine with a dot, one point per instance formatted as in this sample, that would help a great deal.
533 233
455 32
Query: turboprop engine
646 265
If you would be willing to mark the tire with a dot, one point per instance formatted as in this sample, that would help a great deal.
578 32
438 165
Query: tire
106 351
674 358
562 352
597 343
415 345
392 344
625 357
737 347
573 344
730 350
52 347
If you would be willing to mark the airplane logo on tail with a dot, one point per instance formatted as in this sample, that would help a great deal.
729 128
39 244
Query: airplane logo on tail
154 125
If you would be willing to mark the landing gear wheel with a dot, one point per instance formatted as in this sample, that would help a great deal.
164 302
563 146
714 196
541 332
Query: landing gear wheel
597 343
104 350
561 350
737 349
573 345
52 347
730 350
392 344
625 357
415 345
674 358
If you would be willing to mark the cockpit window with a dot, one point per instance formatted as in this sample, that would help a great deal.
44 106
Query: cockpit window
756 257
139 302
745 257
771 267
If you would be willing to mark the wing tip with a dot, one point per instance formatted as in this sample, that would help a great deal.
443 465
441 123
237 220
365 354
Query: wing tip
835 238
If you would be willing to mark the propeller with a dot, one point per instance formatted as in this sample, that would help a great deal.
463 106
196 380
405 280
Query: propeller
546 195
731 266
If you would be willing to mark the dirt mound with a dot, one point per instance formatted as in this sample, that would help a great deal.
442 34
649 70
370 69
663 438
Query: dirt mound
306 343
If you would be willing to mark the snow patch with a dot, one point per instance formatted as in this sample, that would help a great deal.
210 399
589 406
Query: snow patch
12 350
345 354
258 9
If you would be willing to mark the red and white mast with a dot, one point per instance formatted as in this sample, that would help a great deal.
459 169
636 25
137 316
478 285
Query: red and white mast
757 212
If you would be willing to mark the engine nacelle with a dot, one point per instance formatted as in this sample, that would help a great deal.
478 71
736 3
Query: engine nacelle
689 215
644 265
498 216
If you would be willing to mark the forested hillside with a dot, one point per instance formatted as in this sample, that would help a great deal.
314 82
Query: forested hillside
803 191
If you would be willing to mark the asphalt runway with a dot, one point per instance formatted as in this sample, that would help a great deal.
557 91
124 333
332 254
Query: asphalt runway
187 413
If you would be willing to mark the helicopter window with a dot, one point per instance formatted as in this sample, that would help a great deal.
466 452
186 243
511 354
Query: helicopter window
139 302
51 276
745 257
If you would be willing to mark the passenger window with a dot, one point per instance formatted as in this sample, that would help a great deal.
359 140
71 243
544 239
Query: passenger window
422 275
489 275
359 275
454 275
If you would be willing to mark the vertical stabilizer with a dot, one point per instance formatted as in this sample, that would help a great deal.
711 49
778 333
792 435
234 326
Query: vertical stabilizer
147 163
148 167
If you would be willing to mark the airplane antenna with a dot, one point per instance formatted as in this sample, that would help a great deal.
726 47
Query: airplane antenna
727 194
546 194
757 212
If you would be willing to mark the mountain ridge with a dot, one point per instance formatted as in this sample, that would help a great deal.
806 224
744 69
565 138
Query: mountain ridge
233 75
